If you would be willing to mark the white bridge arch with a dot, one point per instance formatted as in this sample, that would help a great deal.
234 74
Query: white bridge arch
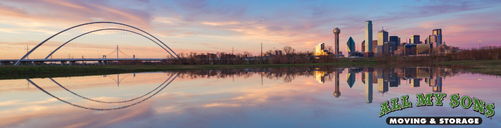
159 43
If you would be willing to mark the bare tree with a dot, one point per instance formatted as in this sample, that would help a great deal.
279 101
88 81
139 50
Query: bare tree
288 50
329 48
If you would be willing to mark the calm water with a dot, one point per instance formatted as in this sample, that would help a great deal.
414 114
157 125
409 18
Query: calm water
281 97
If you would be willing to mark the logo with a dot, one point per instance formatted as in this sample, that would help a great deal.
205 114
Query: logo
430 99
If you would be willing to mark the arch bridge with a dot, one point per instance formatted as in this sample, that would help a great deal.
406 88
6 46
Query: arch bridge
133 30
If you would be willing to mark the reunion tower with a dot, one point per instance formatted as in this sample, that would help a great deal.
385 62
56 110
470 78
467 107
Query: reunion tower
336 40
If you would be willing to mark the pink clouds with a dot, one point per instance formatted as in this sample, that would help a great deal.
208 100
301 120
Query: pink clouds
11 11
71 12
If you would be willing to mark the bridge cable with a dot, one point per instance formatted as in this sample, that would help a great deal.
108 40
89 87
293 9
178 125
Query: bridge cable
103 30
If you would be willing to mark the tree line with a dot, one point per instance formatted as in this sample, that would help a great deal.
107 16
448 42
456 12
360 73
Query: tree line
292 56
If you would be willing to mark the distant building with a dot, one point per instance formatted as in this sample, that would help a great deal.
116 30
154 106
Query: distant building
368 36
423 49
227 56
443 49
410 49
395 39
212 55
433 41
389 48
201 57
438 36
356 54
319 50
363 46
278 52
400 51
382 36
428 40
374 44
379 51
369 54
350 45
414 39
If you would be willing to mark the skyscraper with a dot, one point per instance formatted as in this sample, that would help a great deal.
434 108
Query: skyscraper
382 36
438 36
395 39
428 40
414 39
433 41
319 50
350 45
368 36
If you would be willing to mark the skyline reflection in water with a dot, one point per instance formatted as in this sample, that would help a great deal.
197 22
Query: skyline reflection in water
285 97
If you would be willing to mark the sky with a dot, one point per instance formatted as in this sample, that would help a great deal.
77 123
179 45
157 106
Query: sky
220 26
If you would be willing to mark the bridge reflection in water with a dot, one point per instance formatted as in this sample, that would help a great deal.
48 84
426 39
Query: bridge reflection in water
158 89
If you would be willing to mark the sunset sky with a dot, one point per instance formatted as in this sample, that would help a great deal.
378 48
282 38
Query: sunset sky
217 25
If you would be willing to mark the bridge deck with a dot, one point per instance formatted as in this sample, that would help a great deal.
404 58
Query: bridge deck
86 59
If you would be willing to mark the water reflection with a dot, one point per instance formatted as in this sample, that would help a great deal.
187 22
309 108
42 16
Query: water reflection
384 78
163 85
287 97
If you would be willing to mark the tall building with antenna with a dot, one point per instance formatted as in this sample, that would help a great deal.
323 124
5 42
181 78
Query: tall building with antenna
382 36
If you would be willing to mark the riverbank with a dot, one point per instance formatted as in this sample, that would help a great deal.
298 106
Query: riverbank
491 67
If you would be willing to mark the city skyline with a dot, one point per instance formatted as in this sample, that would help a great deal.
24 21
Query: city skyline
220 26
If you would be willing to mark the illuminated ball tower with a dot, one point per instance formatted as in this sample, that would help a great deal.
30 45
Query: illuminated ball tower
336 40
